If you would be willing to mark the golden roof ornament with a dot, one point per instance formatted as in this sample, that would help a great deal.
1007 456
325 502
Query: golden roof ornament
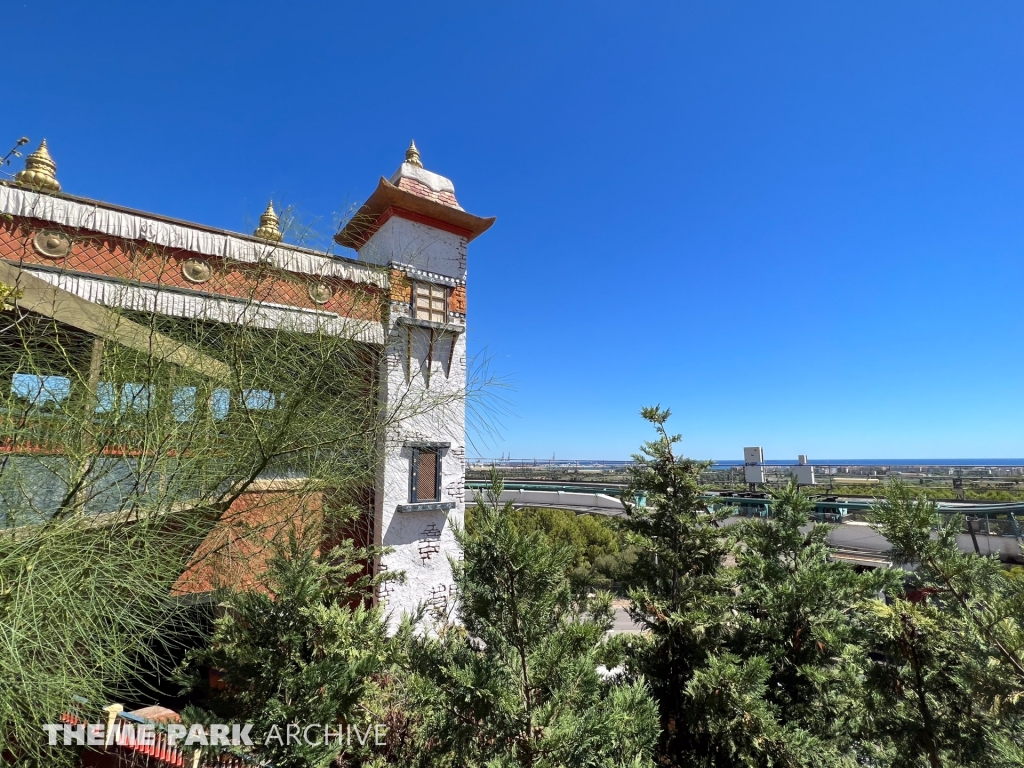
40 171
269 228
412 155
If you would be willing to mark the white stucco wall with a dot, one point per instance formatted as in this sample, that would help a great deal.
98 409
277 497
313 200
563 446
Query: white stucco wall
404 242
422 540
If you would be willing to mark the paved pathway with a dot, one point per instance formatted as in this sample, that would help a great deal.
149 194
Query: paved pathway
622 621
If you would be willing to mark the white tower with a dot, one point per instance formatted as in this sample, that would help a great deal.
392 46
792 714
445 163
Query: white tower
413 225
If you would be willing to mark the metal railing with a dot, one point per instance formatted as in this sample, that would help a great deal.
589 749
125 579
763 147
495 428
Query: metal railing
984 519
1001 481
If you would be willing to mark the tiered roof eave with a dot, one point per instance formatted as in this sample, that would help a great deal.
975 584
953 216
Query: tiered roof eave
388 197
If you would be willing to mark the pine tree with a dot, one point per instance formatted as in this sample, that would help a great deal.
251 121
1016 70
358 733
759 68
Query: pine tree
712 703
301 649
516 681
808 618
758 644
950 690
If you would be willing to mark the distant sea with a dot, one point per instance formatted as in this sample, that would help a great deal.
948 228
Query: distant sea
893 462
779 463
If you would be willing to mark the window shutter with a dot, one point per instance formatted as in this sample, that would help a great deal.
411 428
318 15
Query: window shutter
430 302
426 476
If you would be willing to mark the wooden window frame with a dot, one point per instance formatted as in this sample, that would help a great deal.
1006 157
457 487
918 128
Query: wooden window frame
430 288
414 475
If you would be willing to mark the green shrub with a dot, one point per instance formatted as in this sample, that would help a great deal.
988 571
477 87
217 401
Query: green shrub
597 553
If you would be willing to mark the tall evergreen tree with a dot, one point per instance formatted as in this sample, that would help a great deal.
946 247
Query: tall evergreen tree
302 649
757 643
950 691
516 682
808 618
712 706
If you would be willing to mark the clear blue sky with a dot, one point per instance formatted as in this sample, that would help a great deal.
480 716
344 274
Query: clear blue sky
798 224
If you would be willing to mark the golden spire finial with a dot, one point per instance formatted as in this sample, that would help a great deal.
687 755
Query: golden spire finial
40 171
269 228
412 155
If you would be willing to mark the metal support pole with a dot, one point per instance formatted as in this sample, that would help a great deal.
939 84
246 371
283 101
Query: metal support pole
971 522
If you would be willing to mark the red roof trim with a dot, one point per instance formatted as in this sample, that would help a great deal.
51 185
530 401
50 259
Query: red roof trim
388 200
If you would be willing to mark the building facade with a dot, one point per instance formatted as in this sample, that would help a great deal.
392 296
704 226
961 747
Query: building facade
75 260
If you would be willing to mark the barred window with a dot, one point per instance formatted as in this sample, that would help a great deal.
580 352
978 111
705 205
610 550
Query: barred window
425 483
430 302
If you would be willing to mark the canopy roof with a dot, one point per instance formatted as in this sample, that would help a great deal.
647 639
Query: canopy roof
388 200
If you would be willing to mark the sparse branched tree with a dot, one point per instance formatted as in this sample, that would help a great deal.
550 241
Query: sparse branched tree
145 456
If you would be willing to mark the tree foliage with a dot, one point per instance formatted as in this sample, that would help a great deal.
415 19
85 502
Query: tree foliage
593 541
680 593
516 682
808 619
302 649
951 691
763 652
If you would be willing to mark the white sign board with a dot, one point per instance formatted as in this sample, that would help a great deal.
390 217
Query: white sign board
804 474
753 455
752 473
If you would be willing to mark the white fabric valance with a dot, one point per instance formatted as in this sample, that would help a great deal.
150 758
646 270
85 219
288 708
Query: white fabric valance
175 304
93 216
